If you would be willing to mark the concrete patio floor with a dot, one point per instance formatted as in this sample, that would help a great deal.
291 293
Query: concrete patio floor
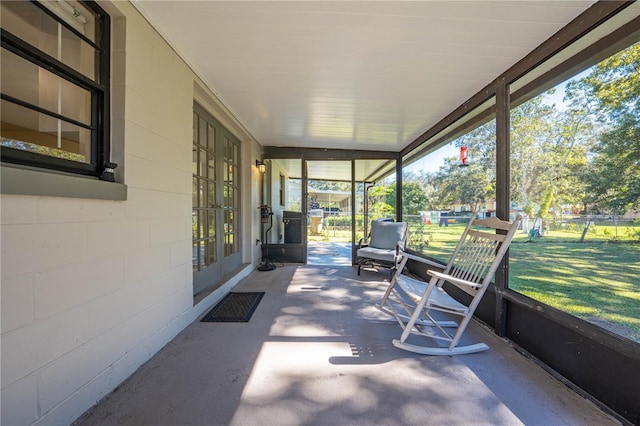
317 352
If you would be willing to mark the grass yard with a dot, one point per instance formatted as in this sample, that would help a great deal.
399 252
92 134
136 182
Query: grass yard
336 235
597 280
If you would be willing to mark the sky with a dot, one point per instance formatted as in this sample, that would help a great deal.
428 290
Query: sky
433 161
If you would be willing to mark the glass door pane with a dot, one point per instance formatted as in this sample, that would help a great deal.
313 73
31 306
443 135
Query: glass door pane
216 201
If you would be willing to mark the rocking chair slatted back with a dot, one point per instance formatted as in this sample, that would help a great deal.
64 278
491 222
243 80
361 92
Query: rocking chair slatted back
473 260
471 268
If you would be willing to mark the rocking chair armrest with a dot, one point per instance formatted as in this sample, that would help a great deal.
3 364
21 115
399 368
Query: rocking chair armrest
453 279
421 259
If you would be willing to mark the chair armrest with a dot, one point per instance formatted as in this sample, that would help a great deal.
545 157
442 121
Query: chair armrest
397 257
453 280
363 242
421 259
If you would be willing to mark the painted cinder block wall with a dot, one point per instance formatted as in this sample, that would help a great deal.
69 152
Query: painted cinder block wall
91 289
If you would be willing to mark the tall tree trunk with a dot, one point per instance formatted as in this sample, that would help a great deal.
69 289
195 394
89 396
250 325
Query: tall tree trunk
584 231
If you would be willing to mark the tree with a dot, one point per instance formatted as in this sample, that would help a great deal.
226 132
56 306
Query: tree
531 156
614 84
414 199
549 151
614 184
377 200
329 185
471 185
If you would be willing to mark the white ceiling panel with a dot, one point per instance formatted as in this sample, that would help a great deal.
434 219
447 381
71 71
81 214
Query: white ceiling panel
351 74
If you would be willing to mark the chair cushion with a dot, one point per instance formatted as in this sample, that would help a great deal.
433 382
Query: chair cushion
386 255
385 235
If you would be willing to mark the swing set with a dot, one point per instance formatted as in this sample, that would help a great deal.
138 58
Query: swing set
536 230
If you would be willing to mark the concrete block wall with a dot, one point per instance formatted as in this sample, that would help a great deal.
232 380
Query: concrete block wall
91 289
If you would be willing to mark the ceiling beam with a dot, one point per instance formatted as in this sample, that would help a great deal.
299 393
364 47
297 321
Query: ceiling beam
585 22
325 154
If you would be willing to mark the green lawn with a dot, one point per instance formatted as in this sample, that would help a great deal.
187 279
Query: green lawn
597 280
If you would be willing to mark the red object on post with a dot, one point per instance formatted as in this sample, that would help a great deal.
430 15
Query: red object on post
463 155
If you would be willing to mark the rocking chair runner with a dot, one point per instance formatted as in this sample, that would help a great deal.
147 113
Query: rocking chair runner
470 268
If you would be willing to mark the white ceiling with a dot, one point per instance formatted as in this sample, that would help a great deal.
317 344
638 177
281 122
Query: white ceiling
368 75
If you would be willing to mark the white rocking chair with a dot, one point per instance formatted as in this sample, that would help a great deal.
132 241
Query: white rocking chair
471 268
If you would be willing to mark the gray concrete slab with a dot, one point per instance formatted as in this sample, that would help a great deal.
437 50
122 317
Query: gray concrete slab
317 352
328 253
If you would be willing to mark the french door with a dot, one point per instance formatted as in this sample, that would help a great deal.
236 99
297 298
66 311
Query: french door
215 201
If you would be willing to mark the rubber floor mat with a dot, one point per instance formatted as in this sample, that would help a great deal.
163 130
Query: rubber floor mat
234 307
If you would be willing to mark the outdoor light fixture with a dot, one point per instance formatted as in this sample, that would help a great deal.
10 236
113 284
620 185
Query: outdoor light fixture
262 168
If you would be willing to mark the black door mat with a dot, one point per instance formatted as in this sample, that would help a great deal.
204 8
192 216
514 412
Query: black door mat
234 307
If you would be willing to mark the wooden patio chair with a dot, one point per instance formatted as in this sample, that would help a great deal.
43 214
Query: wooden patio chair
383 245
470 268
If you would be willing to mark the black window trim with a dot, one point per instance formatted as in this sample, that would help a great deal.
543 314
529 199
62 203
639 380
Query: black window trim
100 97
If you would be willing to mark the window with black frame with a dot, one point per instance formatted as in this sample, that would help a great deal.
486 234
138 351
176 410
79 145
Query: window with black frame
575 176
55 86
455 177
